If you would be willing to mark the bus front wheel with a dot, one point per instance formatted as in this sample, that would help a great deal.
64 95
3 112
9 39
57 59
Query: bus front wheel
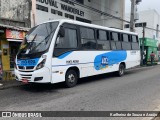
71 78
121 70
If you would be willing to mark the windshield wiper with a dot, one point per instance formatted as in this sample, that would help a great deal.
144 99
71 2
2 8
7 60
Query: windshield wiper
43 41
23 46
31 43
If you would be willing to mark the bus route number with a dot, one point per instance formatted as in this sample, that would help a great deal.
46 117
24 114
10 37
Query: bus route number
27 62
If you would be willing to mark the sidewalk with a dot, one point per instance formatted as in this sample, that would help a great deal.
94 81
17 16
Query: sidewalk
9 83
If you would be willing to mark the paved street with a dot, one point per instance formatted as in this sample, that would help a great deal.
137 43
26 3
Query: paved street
138 90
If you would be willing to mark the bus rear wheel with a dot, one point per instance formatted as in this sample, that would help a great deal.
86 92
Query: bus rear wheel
71 78
121 70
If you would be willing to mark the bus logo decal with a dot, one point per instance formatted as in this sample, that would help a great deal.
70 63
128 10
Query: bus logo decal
104 60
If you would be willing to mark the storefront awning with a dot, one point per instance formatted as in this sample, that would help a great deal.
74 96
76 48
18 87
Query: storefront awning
14 40
15 28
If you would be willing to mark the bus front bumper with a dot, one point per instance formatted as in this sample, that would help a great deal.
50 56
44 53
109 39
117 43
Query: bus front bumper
37 76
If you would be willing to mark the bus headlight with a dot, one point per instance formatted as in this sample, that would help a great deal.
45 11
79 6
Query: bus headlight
41 64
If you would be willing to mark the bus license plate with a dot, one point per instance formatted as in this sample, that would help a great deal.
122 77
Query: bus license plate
25 81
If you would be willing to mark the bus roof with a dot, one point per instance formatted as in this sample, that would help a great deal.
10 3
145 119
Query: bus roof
90 25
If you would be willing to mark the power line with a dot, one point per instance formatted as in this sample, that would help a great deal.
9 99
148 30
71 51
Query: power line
152 29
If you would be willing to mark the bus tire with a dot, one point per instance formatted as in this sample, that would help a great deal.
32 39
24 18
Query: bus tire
121 70
71 78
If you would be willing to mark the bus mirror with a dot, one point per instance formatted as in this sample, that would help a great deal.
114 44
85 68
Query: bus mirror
61 32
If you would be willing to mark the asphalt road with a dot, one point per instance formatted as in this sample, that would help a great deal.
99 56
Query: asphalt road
138 90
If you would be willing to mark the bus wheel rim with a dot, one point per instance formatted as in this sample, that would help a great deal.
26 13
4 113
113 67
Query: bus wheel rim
71 78
121 70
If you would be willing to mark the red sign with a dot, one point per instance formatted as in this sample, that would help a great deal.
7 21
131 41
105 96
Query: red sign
13 34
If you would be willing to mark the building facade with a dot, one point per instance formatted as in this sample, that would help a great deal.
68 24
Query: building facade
150 19
10 40
14 21
18 15
90 11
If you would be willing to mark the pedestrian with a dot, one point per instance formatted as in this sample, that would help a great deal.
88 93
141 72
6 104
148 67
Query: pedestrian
152 56
144 58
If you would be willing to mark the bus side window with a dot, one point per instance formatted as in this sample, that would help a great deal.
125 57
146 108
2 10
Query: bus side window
69 40
113 45
114 36
103 40
126 44
135 44
134 38
115 41
88 40
66 43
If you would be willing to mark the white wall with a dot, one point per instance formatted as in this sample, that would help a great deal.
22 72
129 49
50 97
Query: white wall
114 7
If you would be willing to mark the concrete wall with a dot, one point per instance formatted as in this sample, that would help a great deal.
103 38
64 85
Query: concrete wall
113 7
15 12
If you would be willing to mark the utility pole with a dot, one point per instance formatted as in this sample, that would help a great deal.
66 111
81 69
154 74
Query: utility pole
132 22
142 52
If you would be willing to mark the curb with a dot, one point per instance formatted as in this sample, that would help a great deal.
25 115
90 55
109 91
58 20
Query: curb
9 84
142 67
13 83
154 118
156 109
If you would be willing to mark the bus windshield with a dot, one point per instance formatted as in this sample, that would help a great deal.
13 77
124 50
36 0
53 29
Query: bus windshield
38 38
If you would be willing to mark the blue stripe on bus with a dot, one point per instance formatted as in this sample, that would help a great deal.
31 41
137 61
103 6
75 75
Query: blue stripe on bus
64 55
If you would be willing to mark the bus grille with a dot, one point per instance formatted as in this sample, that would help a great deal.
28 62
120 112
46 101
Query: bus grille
26 68
26 76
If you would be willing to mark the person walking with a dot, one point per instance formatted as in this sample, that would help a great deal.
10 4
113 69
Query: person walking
152 56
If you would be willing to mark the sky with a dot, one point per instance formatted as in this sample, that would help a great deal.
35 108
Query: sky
144 5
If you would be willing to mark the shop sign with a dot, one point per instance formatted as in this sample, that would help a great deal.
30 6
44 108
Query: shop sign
13 34
149 42
69 6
